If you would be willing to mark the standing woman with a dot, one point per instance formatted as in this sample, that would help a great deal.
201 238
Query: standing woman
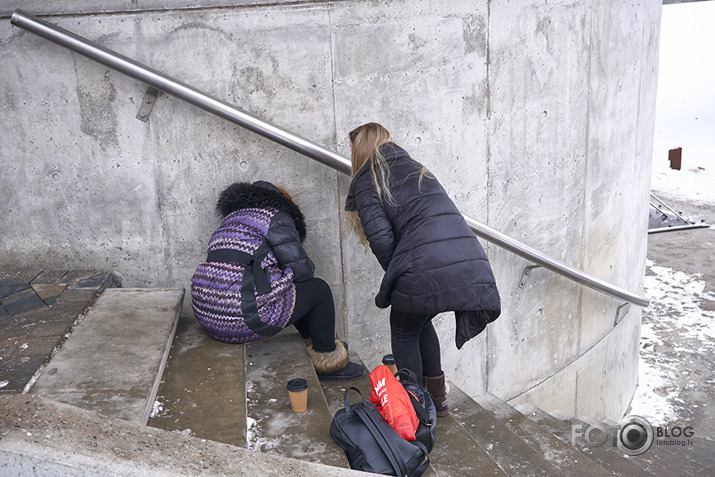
258 279
433 262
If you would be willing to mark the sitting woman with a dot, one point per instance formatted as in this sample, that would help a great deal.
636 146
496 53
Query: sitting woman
258 279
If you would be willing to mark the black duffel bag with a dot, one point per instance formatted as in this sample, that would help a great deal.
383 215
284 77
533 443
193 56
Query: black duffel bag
424 407
371 445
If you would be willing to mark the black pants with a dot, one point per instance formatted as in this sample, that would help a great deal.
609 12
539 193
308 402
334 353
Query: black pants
314 314
415 344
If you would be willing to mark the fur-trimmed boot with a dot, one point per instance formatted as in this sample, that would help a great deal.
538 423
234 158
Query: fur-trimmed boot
334 365
435 385
309 342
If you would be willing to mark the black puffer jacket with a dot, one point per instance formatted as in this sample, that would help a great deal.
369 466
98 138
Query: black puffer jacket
433 262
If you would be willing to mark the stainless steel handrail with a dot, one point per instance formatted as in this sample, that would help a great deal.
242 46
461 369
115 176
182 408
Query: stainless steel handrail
288 139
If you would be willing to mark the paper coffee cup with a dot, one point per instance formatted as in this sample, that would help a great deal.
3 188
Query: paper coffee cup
298 394
389 361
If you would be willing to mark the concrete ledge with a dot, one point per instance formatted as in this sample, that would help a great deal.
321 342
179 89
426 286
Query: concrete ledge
39 437
113 362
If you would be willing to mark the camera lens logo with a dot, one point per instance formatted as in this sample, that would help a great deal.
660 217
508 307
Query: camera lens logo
635 435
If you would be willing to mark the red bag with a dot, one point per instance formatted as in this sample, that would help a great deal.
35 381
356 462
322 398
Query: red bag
392 401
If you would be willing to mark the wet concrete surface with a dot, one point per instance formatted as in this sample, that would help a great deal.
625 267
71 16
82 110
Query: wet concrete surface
677 385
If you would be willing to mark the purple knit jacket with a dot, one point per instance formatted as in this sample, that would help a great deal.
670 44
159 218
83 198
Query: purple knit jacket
216 287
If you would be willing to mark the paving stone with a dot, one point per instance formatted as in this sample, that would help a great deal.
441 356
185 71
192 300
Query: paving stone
86 296
8 347
49 292
79 279
31 329
6 291
20 371
68 308
19 277
30 317
10 328
22 301
57 327
37 346
50 277
697 458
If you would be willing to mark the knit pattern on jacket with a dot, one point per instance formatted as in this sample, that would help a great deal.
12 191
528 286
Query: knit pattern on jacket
216 287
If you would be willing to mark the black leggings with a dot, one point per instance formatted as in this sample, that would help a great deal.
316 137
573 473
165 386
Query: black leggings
415 344
314 314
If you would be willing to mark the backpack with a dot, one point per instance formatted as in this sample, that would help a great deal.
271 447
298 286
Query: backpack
371 445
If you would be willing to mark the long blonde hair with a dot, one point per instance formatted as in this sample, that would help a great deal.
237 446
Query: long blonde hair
365 142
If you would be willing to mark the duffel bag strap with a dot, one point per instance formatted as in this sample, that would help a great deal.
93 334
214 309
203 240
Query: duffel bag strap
423 467
419 410
384 443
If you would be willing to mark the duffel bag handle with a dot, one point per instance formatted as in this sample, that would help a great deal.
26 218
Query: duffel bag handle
411 375
346 399
419 409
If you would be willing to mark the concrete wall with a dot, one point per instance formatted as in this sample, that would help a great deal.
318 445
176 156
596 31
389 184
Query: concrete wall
536 115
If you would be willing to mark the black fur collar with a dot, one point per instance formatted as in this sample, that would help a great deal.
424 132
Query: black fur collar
243 195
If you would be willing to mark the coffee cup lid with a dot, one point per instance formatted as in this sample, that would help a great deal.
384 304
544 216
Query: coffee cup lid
297 384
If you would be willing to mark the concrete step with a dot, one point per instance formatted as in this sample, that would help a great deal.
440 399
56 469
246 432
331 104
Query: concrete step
557 452
334 391
113 361
696 457
272 425
648 461
507 449
456 453
41 437
203 390
601 455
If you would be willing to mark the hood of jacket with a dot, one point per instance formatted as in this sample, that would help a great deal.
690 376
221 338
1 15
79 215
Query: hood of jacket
259 195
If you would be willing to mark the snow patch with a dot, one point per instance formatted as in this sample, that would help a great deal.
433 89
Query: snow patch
676 310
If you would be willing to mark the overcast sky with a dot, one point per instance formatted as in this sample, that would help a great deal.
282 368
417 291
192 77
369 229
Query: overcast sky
685 110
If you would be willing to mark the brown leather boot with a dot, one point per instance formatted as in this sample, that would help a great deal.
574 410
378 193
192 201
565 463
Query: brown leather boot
435 385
